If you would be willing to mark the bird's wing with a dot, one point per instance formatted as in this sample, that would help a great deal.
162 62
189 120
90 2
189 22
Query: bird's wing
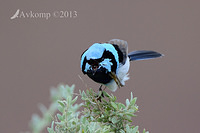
122 46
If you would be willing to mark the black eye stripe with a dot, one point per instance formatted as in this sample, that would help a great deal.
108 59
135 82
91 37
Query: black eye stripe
120 54
92 61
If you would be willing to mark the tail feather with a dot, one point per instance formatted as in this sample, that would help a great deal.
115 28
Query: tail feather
143 55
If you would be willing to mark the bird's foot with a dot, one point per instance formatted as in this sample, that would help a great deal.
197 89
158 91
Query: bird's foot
100 94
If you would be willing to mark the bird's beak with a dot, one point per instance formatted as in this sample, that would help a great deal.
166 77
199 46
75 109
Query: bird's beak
94 71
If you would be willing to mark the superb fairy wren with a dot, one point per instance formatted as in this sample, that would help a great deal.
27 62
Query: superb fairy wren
108 63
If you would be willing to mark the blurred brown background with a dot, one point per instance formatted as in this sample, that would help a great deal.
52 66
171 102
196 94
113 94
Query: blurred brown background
36 54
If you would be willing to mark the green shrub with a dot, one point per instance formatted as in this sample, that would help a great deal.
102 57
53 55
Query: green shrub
91 116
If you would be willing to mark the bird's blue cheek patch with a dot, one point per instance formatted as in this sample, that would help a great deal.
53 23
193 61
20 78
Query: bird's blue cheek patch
87 67
106 64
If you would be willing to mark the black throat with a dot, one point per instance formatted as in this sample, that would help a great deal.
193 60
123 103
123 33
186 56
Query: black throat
100 76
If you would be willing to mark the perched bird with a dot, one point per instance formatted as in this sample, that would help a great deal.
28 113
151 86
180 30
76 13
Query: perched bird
108 63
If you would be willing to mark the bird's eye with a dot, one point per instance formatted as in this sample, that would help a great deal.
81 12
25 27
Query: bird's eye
94 67
94 64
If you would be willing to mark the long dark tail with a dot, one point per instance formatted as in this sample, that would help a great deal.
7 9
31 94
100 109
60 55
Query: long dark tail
143 55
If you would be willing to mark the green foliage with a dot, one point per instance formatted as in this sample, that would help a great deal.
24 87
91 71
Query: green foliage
91 116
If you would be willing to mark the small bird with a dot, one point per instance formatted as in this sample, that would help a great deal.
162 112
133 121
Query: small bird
108 63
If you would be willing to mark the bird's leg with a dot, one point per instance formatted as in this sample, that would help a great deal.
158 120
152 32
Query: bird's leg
114 76
100 95
100 90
